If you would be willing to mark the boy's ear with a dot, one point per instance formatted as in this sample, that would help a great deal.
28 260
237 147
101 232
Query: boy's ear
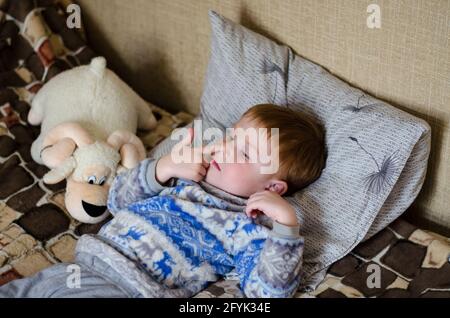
278 186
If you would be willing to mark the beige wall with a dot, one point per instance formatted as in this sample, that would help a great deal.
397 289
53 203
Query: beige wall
161 48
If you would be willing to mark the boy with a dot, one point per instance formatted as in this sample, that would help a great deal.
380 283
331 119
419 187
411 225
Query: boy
179 226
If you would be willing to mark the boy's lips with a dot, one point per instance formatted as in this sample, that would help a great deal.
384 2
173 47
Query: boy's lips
215 165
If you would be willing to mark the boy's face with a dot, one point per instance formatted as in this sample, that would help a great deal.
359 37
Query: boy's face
242 175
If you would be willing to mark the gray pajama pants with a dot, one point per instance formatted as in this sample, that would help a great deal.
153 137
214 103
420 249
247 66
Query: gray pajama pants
88 279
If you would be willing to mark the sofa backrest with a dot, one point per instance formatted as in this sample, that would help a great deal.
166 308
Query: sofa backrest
161 49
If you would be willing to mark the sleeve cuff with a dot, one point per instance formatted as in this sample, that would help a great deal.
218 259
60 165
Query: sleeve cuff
152 183
285 231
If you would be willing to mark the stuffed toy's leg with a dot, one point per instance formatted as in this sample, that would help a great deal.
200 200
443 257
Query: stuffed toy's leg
36 113
146 119
34 117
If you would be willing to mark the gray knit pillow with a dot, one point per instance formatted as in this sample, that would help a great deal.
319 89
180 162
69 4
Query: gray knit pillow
377 154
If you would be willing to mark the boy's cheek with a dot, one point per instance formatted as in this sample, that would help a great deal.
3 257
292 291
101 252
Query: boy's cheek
236 171
243 175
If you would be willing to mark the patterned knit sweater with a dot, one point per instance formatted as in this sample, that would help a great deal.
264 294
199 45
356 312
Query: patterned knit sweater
172 241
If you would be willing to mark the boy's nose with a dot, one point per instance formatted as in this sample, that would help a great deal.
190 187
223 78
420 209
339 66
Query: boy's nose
211 150
228 151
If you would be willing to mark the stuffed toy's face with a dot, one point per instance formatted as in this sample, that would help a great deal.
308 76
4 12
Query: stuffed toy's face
97 175
89 166
86 199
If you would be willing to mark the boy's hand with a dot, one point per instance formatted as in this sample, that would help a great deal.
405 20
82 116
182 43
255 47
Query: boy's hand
166 168
273 205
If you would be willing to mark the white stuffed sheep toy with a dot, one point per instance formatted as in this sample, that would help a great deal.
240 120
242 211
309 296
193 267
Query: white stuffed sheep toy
88 118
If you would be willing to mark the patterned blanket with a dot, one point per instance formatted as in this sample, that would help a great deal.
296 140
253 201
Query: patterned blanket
36 231
400 261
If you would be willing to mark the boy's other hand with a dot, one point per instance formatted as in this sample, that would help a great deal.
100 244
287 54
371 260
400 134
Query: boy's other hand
167 169
273 205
